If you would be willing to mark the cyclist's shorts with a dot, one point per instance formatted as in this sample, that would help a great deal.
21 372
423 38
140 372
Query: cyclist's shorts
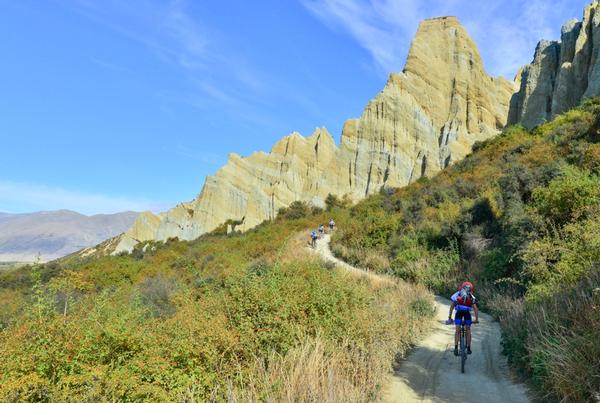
462 315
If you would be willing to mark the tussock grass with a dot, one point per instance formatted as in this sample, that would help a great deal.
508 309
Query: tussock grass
310 372
317 370
559 340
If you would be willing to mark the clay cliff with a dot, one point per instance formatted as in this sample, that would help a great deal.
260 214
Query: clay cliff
562 74
426 117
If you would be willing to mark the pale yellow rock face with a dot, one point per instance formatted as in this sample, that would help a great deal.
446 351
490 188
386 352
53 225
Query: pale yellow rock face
562 74
425 118
143 229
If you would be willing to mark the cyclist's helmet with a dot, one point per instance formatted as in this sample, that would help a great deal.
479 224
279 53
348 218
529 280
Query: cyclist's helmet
468 286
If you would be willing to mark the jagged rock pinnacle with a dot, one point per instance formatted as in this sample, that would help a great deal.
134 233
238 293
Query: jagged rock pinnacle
561 74
425 118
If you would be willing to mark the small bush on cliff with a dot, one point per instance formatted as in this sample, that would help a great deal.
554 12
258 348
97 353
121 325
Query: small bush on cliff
333 202
294 211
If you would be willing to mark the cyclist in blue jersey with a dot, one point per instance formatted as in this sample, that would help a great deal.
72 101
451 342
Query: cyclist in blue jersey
464 301
313 239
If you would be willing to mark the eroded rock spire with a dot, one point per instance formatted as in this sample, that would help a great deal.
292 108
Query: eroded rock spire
425 118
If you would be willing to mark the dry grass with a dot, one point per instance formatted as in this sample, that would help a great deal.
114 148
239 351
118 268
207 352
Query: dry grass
309 373
567 349
320 371
557 341
295 248
374 280
377 261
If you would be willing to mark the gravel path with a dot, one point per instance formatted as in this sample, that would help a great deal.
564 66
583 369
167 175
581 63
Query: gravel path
431 372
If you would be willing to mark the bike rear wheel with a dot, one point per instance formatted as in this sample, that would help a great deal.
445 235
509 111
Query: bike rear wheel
463 350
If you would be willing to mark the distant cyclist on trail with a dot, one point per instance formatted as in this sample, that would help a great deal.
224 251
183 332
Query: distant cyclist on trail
313 239
463 300
331 225
321 230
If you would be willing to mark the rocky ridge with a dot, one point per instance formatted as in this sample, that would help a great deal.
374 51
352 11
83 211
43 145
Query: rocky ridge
561 74
426 117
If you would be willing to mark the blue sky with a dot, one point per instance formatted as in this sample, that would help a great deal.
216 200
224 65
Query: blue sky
127 105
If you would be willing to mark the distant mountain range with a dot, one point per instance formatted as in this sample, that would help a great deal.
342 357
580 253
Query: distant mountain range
53 234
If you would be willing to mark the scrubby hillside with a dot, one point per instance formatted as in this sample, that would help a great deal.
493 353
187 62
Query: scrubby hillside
520 218
254 317
248 317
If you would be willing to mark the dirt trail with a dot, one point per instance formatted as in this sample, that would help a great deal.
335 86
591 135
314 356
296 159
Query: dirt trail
431 372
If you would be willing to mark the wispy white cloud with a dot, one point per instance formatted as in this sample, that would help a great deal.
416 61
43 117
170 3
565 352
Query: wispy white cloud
108 65
373 25
507 40
506 31
173 31
23 197
192 44
205 157
163 27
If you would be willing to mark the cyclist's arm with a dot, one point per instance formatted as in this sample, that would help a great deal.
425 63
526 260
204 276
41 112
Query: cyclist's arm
452 305
476 311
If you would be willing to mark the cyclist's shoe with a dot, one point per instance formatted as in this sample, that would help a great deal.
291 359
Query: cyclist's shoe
469 350
456 351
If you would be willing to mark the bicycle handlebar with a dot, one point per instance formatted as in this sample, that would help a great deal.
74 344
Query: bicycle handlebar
451 322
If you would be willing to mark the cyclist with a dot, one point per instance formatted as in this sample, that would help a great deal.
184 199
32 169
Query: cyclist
321 230
464 301
331 225
313 237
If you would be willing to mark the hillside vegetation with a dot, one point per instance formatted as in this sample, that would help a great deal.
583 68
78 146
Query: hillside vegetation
238 317
254 317
519 217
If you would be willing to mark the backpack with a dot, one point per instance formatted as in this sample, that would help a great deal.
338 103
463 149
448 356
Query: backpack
465 298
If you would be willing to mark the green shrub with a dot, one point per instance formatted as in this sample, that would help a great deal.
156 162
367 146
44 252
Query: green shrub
561 259
295 211
334 202
567 197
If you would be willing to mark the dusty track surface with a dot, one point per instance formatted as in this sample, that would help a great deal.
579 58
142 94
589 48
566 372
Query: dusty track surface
431 372
323 250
